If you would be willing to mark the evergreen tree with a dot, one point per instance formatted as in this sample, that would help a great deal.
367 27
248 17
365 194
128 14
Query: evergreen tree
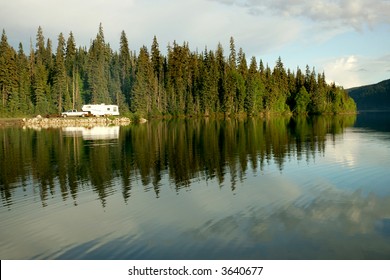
40 76
158 88
210 75
241 91
60 86
70 55
115 83
221 69
40 44
8 77
231 81
178 76
72 70
125 64
255 90
280 88
302 99
141 92
24 82
98 70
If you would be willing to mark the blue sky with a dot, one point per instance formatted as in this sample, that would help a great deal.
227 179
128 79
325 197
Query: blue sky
348 39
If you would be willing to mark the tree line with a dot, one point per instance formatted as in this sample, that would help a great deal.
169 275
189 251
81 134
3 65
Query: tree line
149 83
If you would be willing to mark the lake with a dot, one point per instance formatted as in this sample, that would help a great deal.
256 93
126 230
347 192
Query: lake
278 188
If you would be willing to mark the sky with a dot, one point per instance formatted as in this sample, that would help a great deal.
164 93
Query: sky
349 40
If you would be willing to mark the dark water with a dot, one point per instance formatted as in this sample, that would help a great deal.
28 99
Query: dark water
283 188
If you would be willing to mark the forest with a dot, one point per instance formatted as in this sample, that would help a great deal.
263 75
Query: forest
149 83
372 97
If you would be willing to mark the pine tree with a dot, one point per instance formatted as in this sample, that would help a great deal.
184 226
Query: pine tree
141 92
60 86
40 44
8 77
221 69
114 84
209 93
255 90
242 72
232 55
24 83
40 76
302 100
231 81
178 76
280 89
158 88
125 63
98 69
72 71
70 55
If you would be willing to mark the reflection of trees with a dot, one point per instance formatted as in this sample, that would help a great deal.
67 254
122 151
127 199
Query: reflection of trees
179 150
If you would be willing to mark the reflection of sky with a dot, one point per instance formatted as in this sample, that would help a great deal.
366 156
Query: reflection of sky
361 160
333 205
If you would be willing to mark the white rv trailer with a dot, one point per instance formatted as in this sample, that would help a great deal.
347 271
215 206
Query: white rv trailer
101 109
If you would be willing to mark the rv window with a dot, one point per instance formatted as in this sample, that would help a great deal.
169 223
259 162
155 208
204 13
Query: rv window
108 109
114 109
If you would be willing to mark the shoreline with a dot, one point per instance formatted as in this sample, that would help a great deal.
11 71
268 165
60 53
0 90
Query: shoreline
57 122
41 122
6 122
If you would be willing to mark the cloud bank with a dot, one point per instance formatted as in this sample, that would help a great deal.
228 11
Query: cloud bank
356 70
335 13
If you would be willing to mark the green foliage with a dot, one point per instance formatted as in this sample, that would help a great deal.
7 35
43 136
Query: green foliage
302 99
182 82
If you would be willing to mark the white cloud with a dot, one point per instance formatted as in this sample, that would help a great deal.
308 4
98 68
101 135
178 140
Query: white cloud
356 70
354 13
201 23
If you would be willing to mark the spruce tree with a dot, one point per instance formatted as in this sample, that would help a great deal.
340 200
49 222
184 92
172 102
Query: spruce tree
158 88
60 86
141 93
221 70
72 71
98 69
255 90
242 72
231 81
40 75
8 77
24 83
125 64
209 93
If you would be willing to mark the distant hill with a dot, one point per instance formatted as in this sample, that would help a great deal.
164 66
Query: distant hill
372 97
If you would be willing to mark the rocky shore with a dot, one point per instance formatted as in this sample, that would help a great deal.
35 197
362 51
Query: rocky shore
41 122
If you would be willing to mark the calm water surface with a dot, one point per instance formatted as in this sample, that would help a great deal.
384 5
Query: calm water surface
284 188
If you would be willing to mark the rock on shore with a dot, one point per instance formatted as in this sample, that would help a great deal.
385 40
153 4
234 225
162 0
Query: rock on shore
40 122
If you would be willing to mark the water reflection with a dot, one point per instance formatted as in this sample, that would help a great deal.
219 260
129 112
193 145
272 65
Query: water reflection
92 133
280 188
296 230
106 159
